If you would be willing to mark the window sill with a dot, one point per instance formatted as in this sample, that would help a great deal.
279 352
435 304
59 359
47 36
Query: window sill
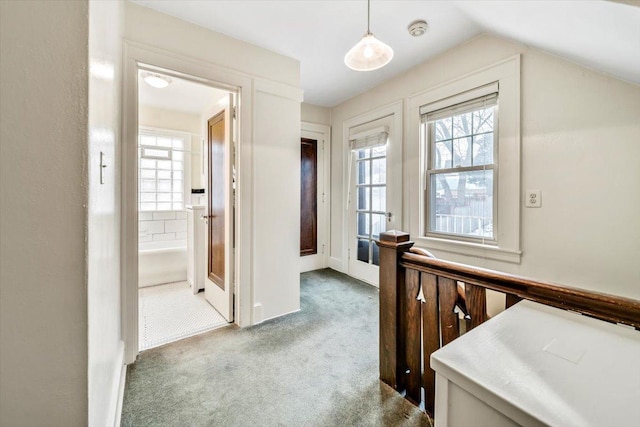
470 249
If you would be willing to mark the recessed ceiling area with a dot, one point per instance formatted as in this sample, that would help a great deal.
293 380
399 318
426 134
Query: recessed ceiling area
180 95
603 35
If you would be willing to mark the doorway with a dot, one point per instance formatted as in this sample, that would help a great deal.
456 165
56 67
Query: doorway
374 195
177 212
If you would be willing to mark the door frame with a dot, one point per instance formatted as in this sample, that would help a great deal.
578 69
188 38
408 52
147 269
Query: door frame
395 160
139 56
321 133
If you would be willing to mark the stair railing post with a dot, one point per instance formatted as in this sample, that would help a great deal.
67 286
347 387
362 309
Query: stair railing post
392 245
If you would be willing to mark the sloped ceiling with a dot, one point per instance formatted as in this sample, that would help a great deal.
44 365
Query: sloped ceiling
602 35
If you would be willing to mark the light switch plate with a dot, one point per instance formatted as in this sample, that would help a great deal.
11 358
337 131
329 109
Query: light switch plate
533 199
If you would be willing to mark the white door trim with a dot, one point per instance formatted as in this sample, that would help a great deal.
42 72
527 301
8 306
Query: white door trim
322 134
135 55
395 159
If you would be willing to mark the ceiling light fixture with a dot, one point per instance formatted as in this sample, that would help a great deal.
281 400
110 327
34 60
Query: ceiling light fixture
369 53
156 80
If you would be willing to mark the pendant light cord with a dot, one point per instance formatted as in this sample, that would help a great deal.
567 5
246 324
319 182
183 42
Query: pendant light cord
368 16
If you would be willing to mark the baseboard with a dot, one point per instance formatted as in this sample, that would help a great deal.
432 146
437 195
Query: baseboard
118 392
336 264
280 315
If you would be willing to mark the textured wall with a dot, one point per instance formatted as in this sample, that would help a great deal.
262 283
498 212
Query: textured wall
43 182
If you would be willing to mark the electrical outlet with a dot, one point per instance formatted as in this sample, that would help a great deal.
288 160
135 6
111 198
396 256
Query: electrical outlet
533 199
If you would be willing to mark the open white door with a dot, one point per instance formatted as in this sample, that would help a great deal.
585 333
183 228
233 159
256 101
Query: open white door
219 282
375 193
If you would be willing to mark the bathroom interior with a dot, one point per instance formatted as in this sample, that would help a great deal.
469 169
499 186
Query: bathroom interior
173 116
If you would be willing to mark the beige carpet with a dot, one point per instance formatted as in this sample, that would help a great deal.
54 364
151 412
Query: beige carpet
172 312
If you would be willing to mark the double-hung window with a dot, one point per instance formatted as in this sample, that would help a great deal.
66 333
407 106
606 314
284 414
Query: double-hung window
161 158
461 176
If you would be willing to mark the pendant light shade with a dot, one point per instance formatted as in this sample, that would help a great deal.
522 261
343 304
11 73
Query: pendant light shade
369 53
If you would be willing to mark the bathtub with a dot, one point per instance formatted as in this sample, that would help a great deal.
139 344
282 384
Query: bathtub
162 262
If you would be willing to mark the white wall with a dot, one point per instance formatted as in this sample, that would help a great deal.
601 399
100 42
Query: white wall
43 195
315 114
106 347
580 146
270 151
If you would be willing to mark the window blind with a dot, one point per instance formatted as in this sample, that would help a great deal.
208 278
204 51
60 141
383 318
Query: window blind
369 139
474 99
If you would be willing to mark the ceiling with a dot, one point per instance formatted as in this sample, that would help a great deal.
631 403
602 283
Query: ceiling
603 35
181 95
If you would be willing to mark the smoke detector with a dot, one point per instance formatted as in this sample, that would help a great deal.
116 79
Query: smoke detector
417 28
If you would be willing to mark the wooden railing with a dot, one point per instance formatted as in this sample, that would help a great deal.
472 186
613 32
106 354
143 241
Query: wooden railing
420 297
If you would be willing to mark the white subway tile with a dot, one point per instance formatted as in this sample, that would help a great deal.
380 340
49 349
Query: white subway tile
165 236
151 227
164 215
145 216
181 236
175 225
146 238
181 215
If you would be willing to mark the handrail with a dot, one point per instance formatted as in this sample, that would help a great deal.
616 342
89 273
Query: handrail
603 306
421 295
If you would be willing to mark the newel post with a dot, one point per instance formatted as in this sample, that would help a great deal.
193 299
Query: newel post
392 245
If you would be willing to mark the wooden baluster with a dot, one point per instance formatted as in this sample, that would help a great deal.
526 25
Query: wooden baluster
476 304
411 315
447 295
511 300
392 245
430 336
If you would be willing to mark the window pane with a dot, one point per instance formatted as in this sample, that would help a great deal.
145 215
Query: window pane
363 198
483 149
164 186
462 125
147 206
483 120
461 152
164 142
147 173
166 174
178 155
375 259
378 225
379 151
178 143
443 129
148 185
147 164
177 206
147 140
164 197
177 166
363 250
164 164
178 186
442 155
147 197
379 171
177 197
363 224
178 175
364 177
164 206
379 199
364 153
463 203
154 152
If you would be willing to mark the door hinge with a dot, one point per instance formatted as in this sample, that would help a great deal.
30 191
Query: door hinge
348 253
322 197
322 249
323 144
234 112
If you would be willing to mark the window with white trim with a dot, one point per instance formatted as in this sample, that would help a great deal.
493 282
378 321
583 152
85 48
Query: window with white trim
162 171
461 182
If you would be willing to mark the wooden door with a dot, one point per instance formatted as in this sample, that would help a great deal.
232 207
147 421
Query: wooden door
216 199
308 197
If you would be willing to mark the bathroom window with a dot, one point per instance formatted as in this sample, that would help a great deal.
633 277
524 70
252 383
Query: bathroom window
162 170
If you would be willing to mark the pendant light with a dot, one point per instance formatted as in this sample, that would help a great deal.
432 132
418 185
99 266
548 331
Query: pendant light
369 53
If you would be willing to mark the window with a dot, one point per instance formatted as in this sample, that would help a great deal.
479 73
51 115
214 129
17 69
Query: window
461 164
162 167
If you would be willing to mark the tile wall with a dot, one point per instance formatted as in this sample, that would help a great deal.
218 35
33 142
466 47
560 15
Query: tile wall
166 225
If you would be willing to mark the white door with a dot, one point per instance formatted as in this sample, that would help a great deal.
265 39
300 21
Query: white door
375 194
218 281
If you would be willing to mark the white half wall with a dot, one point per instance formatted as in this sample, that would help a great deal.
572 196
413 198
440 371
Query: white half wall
43 195
580 135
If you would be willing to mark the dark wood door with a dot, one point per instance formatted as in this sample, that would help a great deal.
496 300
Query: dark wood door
309 197
216 214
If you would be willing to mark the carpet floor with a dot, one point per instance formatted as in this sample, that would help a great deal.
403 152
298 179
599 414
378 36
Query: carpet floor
316 367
